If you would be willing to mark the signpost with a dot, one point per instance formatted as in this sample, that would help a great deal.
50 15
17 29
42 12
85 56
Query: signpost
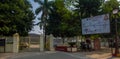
96 25
115 12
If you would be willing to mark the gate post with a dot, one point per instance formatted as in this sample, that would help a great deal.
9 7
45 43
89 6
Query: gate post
51 42
41 43
16 43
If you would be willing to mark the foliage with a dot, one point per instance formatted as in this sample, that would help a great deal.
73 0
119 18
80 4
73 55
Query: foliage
45 7
15 16
60 22
94 36
87 8
108 7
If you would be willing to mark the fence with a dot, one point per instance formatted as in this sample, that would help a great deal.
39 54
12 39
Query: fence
6 44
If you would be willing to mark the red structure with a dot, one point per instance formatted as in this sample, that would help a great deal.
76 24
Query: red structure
61 48
96 44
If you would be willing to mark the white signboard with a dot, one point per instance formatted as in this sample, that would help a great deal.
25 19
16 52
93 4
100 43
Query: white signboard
95 25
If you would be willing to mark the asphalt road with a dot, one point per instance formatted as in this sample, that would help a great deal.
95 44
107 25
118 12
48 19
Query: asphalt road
57 55
46 55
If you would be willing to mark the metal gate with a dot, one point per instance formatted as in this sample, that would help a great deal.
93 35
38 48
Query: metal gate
29 44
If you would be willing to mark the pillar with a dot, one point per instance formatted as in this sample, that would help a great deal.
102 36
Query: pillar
78 43
41 43
51 43
16 43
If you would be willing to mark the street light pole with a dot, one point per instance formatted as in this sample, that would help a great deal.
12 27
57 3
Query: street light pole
116 37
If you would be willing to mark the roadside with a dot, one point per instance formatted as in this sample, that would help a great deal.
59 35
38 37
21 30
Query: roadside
99 54
104 53
6 55
23 54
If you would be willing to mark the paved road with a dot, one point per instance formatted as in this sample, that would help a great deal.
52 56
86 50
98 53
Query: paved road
46 55
58 55
29 54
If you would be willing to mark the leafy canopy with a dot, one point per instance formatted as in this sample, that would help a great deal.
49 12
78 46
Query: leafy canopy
15 16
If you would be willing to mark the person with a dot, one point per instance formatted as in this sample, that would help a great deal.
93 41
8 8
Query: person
88 43
83 46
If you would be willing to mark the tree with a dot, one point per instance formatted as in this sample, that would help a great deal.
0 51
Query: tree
87 8
15 16
61 21
108 7
45 8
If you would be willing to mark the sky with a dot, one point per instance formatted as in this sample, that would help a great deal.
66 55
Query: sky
36 28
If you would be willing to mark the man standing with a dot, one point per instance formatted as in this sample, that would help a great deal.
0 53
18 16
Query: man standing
88 43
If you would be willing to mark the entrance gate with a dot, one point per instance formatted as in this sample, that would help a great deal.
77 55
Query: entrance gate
17 44
29 44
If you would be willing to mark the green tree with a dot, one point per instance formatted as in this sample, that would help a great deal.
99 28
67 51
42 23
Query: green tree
62 21
44 8
87 8
108 7
15 16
